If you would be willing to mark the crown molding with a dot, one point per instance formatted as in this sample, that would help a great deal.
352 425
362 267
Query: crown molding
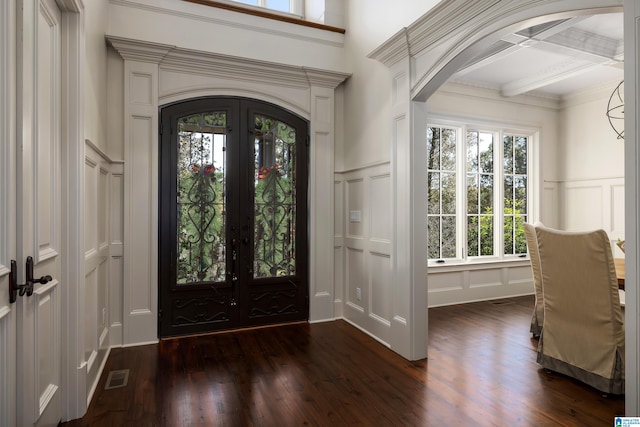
138 50
189 61
393 50
438 38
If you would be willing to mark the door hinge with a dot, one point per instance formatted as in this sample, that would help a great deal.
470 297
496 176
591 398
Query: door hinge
160 128
308 140
160 314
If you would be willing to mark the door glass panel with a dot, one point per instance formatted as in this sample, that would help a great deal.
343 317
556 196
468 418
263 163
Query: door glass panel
275 198
201 198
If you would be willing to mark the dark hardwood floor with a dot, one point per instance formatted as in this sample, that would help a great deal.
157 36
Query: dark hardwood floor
481 370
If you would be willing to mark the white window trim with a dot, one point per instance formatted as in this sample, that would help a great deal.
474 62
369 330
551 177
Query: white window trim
534 174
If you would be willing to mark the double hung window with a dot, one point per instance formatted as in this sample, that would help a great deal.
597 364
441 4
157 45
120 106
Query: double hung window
479 192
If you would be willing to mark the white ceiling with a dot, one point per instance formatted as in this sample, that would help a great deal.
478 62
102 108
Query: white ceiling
552 59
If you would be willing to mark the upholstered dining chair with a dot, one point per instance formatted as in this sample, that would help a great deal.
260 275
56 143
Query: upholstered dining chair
537 318
583 333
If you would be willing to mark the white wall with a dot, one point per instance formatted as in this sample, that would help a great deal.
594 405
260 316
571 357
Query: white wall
590 148
368 93
95 73
591 181
363 248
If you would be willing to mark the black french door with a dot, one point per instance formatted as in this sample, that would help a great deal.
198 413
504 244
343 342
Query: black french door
233 243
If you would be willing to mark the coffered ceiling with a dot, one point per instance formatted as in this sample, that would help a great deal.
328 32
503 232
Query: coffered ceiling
551 59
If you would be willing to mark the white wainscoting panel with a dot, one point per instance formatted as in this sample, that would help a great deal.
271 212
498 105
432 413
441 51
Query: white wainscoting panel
590 204
99 203
90 316
441 281
356 278
381 286
617 211
339 261
381 209
367 224
550 205
468 283
116 253
582 203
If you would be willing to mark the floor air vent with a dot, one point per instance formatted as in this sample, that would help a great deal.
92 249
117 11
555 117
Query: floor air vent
501 302
117 379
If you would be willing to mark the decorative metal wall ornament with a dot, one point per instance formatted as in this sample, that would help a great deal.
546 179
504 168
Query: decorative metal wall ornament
615 110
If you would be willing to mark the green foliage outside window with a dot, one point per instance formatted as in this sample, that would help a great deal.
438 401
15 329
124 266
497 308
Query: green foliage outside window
201 199
275 198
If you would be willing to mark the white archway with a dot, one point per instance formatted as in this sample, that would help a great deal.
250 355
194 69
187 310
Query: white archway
422 57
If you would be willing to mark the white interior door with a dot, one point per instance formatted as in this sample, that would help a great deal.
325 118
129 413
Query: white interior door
8 317
38 219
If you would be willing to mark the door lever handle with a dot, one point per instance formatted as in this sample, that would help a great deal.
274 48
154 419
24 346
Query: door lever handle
27 288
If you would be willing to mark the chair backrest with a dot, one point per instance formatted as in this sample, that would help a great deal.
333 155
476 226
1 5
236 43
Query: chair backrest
583 320
538 311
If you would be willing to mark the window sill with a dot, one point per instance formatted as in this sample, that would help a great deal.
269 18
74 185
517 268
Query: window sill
458 265
268 15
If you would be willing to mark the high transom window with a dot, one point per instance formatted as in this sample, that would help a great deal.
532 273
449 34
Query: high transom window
294 7
479 192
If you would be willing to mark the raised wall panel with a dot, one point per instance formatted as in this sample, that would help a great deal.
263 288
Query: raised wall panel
579 200
116 207
90 314
141 89
47 343
354 202
356 276
141 201
550 205
338 214
116 286
103 213
90 208
320 283
381 210
617 211
519 274
140 212
323 109
338 248
116 253
454 280
484 278
381 286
